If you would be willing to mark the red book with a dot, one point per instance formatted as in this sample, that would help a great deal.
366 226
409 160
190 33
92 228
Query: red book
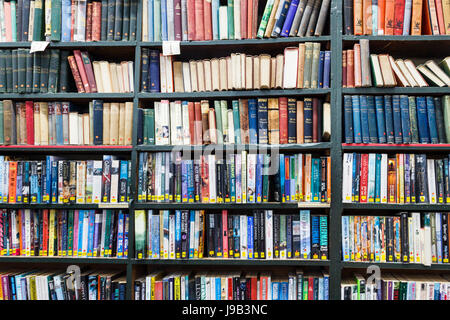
45 231
255 18
81 70
198 126
225 233
177 19
158 290
244 14
315 120
364 178
204 173
199 21
250 19
72 19
207 19
399 13
440 16
89 71
29 116
350 68
230 288
191 121
310 288
76 74
253 287
191 19
344 68
88 34
283 116
97 21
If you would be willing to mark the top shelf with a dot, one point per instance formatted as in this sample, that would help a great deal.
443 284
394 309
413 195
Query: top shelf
398 38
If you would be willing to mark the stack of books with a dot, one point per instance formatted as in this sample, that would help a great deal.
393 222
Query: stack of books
101 76
397 119
408 237
401 178
237 285
58 180
60 123
66 20
197 234
305 66
250 121
391 17
238 178
64 233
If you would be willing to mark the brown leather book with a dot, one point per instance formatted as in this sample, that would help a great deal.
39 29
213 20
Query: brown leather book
198 127
300 138
205 122
96 21
243 119
191 112
8 127
76 74
344 68
273 115
178 76
89 9
416 18
301 65
89 71
82 70
350 68
283 118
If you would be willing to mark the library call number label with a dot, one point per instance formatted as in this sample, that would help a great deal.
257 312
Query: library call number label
229 310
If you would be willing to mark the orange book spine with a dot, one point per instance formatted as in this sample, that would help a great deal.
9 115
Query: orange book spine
416 18
389 17
350 68
440 16
367 16
381 16
344 68
250 19
12 181
357 65
357 17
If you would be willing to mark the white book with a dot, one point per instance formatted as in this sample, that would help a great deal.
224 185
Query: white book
131 75
177 124
243 236
230 126
80 129
237 19
27 232
145 20
238 169
347 178
73 128
403 80
223 22
251 178
417 77
163 73
162 123
242 71
268 221
193 74
115 168
167 176
30 24
84 245
185 126
2 21
299 186
212 177
229 73
186 77
172 236
80 34
244 176
158 177
383 178
208 74
411 240
431 181
81 182
97 181
170 20
290 63
207 287
427 251
169 74
417 237
438 71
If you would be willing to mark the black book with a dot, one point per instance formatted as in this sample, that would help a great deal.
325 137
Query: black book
118 20
73 182
198 287
28 72
404 237
184 234
276 235
262 235
218 182
140 126
111 19
19 7
296 236
289 252
21 70
45 65
104 18
9 71
133 19
421 178
292 120
36 72
191 286
445 254
218 235
348 17
53 71
178 177
15 70
440 188
126 20
145 85
242 289
25 20
211 236
226 181
197 181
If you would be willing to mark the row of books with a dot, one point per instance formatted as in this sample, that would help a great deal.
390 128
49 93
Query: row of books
197 234
24 284
396 286
298 67
250 121
66 20
406 237
238 178
396 119
101 76
39 72
57 123
58 180
232 285
64 233
400 178
391 17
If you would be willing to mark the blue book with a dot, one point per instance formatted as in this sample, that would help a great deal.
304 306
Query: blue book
315 237
253 120
215 18
327 69
259 182
375 17
80 233
348 121
190 180
120 224
381 124
250 237
237 123
153 72
282 176
422 120
326 286
123 179
91 232
407 17
177 234
66 11
320 288
406 123
378 178
263 121
287 180
125 235
389 119
59 124
373 135
280 22
321 65
191 223
275 290
155 236
284 288
218 289
364 119
150 23
315 180
48 179
356 120
397 119
307 118
19 182
431 113
289 18
184 184
98 122
164 33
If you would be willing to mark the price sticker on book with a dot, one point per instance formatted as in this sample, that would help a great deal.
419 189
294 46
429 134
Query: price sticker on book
38 46
171 48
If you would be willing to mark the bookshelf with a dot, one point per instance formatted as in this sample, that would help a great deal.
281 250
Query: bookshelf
335 41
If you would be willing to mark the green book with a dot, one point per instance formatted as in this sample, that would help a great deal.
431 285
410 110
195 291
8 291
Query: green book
15 70
230 11
38 20
53 71
63 71
156 20
226 134
219 129
413 119
445 65
45 63
36 72
140 233
446 109
305 288
104 18
440 120
118 20
151 127
70 233
14 20
2 71
107 232
236 120
265 18
56 20
307 65
2 140
146 124
265 182
8 69
126 20
21 69
111 15
315 65
28 72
